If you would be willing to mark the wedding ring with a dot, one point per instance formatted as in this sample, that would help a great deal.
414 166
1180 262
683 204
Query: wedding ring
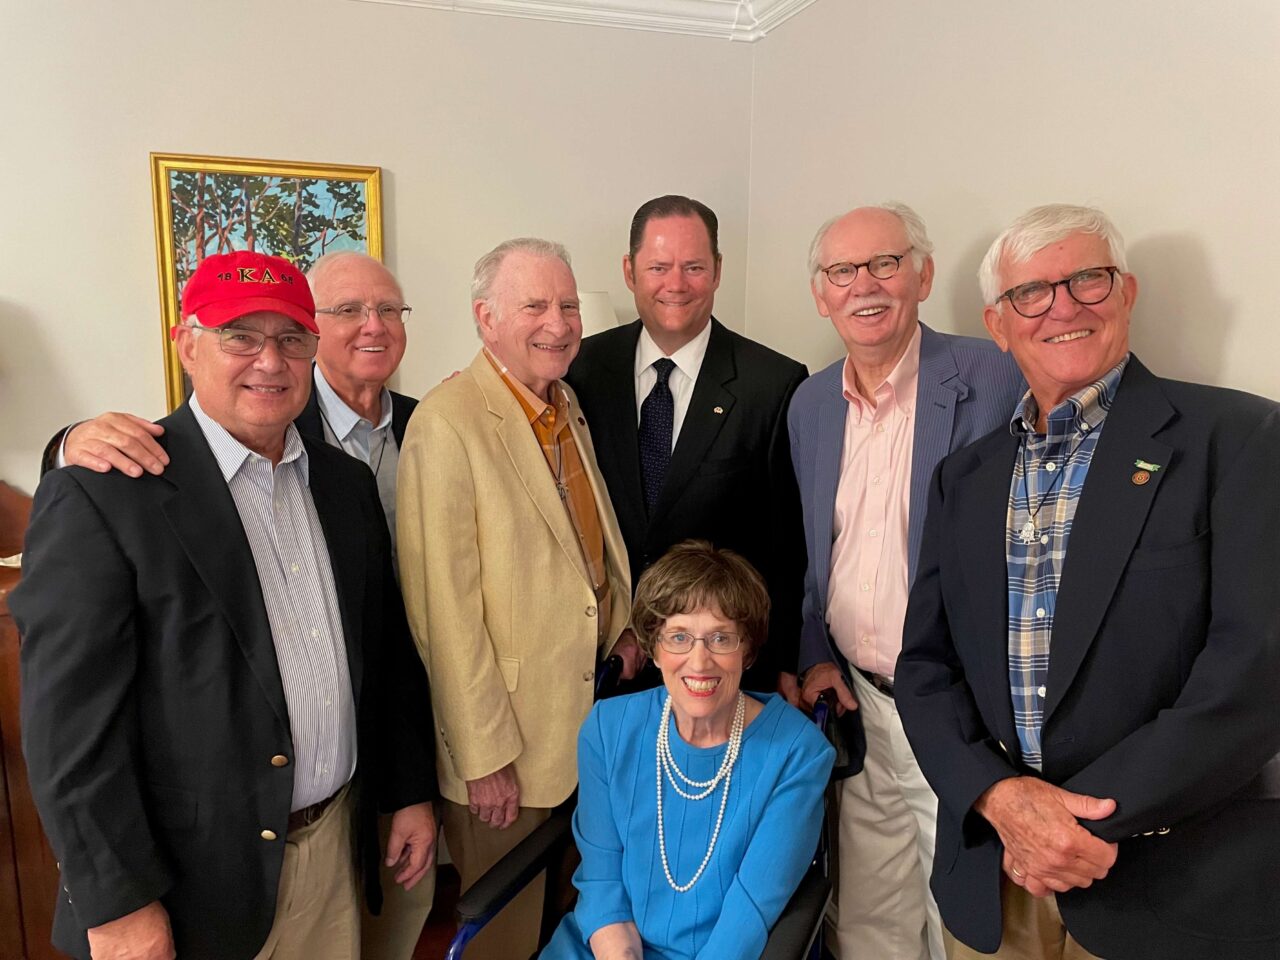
1018 874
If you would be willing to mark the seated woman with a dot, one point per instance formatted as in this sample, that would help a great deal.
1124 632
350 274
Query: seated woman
699 806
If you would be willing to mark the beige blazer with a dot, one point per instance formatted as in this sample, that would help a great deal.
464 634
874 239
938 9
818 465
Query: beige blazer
497 592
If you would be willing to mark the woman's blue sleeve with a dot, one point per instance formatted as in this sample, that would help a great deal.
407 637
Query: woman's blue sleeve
602 895
779 851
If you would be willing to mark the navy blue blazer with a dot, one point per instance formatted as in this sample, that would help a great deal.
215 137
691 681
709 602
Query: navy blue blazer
152 703
1164 662
966 386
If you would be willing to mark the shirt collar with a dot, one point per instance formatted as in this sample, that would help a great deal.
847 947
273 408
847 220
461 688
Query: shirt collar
533 405
688 358
1081 412
232 455
905 372
340 417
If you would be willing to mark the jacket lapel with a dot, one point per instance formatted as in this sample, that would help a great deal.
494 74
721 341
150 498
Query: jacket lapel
1109 519
614 424
709 408
527 459
308 421
982 505
938 390
205 521
348 552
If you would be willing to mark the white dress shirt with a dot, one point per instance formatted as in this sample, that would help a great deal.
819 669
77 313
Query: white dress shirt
688 360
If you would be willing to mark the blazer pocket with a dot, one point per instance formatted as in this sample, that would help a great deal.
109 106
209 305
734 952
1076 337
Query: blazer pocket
721 466
1161 558
510 667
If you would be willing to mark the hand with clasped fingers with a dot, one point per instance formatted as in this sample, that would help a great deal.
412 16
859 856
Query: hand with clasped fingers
1045 848
118 441
141 935
495 799
827 676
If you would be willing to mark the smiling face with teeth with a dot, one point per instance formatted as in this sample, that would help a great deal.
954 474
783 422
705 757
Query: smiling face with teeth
362 356
531 320
875 318
253 398
703 685
674 276
1072 345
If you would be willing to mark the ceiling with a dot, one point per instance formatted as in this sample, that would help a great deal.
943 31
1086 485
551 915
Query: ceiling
747 20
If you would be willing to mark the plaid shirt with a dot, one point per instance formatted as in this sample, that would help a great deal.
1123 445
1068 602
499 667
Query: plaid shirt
1048 477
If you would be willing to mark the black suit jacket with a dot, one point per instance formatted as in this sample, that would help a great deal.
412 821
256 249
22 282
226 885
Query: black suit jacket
1163 672
152 702
730 480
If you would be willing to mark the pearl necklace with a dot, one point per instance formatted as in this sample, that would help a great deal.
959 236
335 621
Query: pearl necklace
666 763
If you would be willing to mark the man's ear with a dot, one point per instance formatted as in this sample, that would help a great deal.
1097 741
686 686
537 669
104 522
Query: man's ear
629 272
994 323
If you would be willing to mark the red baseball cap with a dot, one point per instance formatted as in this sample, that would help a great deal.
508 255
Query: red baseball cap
226 286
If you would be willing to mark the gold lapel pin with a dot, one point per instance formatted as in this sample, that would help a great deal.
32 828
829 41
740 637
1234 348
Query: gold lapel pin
1140 477
719 410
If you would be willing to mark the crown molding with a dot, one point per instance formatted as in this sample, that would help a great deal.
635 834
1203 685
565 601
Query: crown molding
744 20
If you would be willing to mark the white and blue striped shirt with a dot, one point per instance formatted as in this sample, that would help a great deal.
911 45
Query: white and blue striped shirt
292 559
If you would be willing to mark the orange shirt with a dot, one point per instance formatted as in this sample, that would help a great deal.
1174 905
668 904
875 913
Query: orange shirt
867 598
550 423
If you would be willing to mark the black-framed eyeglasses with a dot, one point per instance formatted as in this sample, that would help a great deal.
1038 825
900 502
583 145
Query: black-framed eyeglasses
718 642
245 342
882 267
1087 287
355 312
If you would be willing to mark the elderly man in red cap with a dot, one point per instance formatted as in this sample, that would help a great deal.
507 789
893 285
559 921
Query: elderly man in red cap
219 688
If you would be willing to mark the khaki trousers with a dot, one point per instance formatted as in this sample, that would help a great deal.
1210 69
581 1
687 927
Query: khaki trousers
884 842
1033 930
394 933
475 847
317 903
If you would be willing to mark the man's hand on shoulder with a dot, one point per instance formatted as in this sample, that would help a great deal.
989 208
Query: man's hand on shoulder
141 935
495 799
118 441
411 844
827 676
627 649
1046 850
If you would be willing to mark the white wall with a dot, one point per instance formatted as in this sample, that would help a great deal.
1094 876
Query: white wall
485 128
1165 114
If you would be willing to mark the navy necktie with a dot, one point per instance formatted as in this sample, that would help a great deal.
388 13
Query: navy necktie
657 418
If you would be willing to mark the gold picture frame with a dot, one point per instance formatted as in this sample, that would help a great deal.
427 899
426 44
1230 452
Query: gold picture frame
206 205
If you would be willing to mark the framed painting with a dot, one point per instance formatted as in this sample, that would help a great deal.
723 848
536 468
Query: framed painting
299 211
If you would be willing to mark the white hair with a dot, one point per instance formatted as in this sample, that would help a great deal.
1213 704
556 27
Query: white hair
486 268
325 264
1037 229
912 223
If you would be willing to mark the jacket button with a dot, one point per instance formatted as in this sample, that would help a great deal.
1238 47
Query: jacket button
279 760
591 610
588 675
268 834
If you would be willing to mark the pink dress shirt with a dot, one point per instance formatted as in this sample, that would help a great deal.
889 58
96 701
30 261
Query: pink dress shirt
867 598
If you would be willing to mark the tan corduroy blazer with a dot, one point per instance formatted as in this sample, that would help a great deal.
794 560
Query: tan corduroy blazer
497 592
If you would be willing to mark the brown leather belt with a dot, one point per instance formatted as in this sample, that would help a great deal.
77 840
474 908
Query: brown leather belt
309 815
883 684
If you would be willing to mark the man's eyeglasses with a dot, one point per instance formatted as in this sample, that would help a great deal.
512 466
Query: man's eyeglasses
882 268
718 642
1086 287
244 342
355 312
